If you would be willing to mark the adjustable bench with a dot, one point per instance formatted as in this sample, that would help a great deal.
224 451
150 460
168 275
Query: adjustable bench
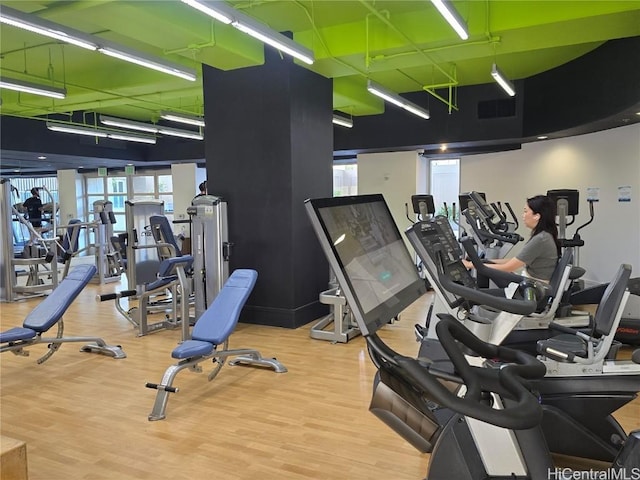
212 330
48 313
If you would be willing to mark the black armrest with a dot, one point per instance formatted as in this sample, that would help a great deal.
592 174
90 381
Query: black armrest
521 307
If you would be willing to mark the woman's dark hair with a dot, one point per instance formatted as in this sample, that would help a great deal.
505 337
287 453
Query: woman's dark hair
546 208
203 187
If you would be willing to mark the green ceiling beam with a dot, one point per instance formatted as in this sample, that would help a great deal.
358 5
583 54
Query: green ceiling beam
350 96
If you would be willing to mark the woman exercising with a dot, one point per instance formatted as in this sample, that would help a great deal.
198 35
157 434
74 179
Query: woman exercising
540 254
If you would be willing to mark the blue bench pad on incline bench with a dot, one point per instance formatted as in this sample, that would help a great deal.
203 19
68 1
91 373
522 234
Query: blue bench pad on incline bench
220 319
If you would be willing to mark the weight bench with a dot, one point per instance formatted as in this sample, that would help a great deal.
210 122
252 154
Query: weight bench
212 330
48 313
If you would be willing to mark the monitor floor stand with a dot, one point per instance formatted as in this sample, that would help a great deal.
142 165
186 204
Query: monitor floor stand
344 325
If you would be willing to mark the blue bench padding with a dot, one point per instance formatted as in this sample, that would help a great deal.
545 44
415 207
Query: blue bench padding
16 334
167 271
48 312
193 348
220 319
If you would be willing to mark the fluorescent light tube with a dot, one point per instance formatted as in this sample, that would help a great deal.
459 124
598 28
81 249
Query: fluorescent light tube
44 27
132 138
174 132
183 118
502 80
276 40
212 9
149 127
119 122
397 100
77 130
146 62
28 87
342 121
96 132
246 24
450 14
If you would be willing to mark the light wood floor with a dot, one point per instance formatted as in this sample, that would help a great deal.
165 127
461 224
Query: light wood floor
84 416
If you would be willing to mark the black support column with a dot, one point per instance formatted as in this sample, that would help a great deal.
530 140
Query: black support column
269 146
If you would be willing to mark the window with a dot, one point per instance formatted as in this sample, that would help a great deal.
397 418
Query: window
445 187
345 179
117 189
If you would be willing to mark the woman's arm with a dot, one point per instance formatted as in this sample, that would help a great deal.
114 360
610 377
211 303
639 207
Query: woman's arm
507 265
504 264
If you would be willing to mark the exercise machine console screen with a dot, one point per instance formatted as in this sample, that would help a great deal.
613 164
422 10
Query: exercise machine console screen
367 253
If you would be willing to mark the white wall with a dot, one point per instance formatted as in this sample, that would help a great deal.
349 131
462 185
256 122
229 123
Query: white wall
397 175
185 178
70 195
605 160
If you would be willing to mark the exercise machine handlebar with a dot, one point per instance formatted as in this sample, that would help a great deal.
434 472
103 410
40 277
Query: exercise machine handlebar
166 388
113 296
510 379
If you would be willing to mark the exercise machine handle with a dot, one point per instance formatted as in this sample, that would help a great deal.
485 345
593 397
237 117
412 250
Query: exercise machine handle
501 278
113 296
513 215
508 380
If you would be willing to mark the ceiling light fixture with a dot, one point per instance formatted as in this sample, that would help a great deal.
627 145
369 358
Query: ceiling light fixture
397 100
44 27
342 121
119 122
175 132
149 127
158 64
128 137
70 35
246 24
451 15
183 118
502 80
76 130
212 12
96 132
34 88
275 39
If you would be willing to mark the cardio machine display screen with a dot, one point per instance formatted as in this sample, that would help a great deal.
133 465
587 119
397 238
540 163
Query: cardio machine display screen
366 251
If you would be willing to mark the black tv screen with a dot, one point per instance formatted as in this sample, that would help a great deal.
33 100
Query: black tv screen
367 253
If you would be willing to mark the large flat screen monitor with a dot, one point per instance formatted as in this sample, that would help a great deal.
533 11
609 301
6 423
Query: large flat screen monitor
364 247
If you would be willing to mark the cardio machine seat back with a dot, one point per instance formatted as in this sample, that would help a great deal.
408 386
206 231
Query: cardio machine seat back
164 238
219 320
572 346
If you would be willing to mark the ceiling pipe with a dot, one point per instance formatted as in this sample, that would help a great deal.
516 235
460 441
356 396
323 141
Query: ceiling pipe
453 80
407 39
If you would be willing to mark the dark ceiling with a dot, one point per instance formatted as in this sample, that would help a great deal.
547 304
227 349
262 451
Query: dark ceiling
405 46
